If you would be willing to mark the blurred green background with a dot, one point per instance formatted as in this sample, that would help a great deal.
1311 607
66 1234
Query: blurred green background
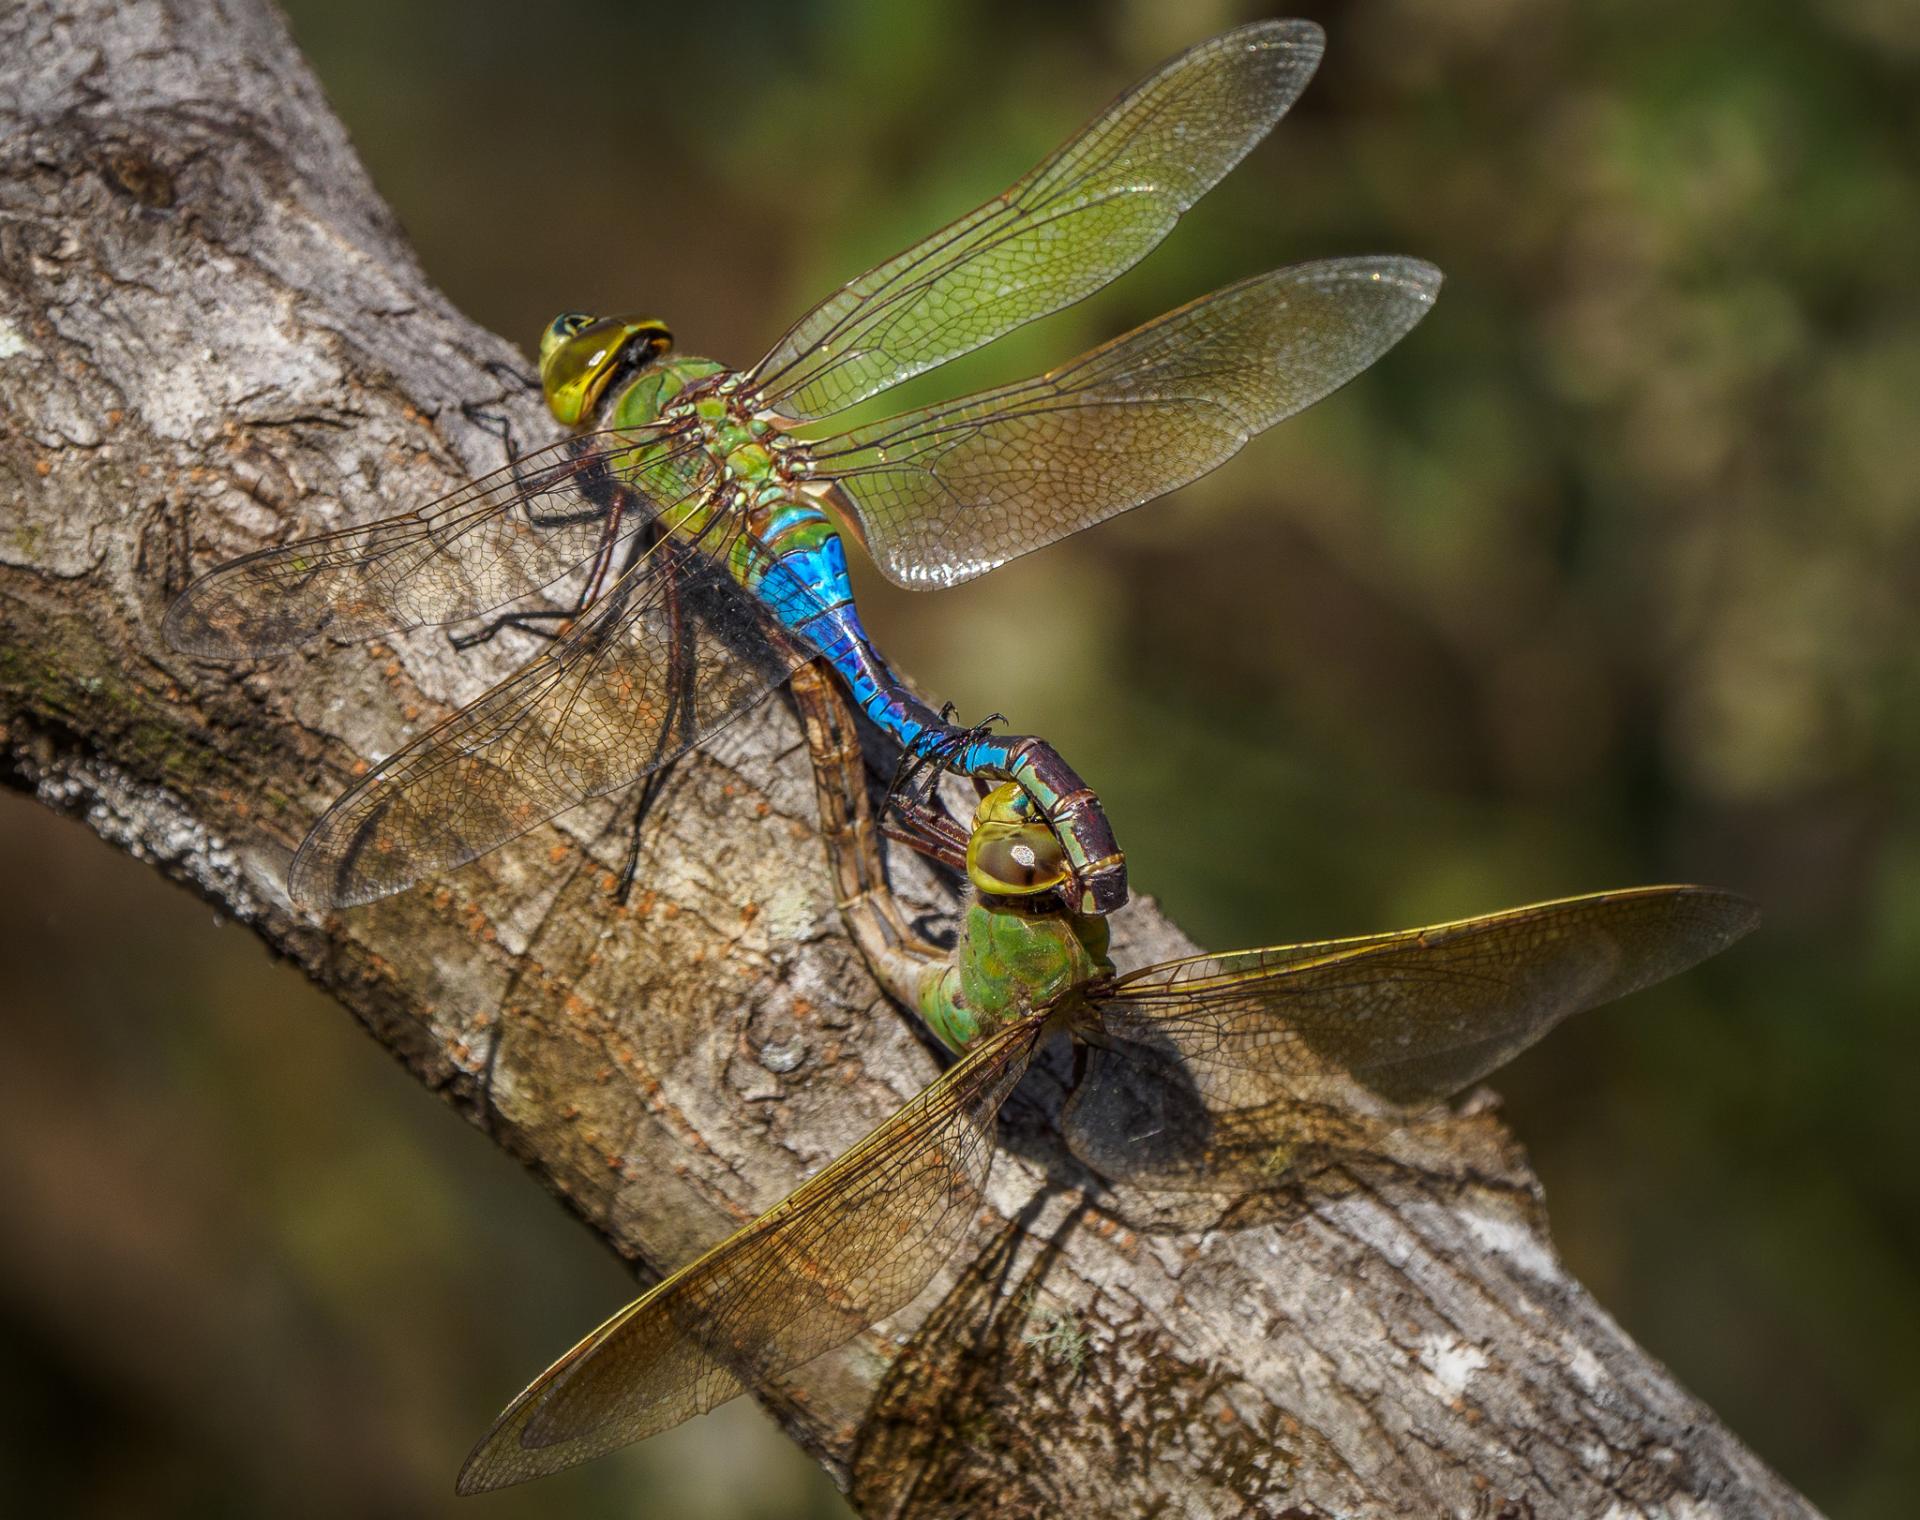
1607 575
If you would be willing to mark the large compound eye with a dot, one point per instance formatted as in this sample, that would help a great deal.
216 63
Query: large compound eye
1010 853
559 331
1018 864
580 355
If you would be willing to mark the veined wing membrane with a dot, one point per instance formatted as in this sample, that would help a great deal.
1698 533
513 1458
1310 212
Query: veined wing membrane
674 651
1247 1059
951 491
853 1244
1086 214
497 538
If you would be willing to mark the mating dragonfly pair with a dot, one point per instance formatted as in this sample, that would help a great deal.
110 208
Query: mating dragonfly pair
697 522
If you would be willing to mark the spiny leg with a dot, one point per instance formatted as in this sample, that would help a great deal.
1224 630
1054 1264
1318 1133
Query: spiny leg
913 813
542 622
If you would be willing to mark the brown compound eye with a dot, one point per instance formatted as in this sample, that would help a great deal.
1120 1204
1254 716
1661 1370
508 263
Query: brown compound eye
1008 853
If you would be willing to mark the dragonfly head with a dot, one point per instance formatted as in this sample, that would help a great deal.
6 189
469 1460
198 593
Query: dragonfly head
1011 850
580 355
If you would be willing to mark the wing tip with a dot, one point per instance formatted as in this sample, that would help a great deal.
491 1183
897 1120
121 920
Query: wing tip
1412 276
209 622
480 1473
1294 32
191 629
317 885
1737 914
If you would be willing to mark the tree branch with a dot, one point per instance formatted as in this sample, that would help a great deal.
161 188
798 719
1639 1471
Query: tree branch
213 336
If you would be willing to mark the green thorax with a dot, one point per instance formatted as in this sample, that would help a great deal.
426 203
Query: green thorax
654 389
1010 961
743 463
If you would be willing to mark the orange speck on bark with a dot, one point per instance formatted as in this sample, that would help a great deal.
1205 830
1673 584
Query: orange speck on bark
43 467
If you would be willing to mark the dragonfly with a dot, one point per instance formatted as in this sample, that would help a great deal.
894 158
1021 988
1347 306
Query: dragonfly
698 511
1213 1073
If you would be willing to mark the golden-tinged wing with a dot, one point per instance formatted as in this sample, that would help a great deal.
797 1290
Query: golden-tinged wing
856 1242
1219 1072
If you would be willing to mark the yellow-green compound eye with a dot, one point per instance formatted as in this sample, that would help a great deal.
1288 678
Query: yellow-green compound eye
579 354
1010 852
559 330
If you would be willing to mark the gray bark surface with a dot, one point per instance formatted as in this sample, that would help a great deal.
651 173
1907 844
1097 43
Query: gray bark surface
213 337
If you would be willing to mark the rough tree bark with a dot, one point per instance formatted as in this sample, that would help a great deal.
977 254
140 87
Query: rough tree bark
213 336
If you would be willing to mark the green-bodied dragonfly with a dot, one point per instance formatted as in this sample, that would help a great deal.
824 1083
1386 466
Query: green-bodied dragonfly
1217 1073
697 516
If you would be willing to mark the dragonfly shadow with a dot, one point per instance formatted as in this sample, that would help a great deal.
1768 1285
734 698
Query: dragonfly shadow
1166 1156
987 1360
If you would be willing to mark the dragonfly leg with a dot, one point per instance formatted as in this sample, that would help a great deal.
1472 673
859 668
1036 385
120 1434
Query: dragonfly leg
559 617
912 811
542 623
650 791
928 828
511 374
496 423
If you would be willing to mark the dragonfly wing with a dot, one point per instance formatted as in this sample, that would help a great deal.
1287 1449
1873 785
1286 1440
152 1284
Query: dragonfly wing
674 651
1087 213
950 492
853 1244
1252 1058
497 538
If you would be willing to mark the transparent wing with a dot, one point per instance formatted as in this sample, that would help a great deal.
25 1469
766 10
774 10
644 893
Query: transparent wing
856 1242
672 652
1223 1071
1086 214
495 539
950 492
